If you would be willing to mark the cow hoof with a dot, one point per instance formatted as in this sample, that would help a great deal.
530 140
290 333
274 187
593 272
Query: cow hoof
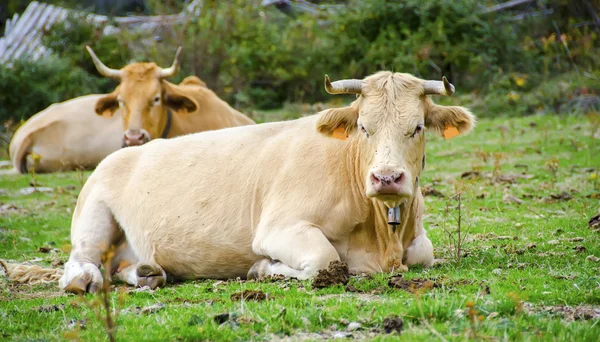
81 278
150 275
259 269
79 285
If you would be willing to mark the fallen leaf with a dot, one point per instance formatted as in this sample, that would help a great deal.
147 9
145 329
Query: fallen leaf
249 295
592 258
508 178
430 191
152 308
470 174
411 285
511 199
563 196
579 248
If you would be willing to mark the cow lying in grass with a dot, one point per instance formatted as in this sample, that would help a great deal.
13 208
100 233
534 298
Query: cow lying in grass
279 198
79 133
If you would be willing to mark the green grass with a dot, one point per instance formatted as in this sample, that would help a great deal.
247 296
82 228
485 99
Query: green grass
517 272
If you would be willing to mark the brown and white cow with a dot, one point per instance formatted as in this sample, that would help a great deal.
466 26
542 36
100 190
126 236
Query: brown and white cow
65 136
152 107
277 198
70 135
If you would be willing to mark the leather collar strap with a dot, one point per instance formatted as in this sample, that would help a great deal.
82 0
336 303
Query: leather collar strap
165 132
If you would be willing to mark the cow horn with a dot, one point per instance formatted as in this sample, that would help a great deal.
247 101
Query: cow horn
168 72
442 87
103 69
352 86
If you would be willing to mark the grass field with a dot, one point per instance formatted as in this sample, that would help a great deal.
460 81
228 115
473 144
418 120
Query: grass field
528 267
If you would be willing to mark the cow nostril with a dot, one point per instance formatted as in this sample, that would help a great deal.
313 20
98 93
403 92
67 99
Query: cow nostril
399 179
375 179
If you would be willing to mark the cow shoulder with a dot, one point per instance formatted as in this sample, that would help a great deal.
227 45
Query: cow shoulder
192 80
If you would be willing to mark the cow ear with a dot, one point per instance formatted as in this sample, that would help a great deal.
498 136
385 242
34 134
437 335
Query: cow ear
177 99
441 118
107 105
332 119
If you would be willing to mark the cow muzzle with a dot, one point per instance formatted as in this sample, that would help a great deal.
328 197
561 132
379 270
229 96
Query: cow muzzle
135 137
389 184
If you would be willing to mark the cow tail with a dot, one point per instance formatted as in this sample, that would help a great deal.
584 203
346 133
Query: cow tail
30 274
18 153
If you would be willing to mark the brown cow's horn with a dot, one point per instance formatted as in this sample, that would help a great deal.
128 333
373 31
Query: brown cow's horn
352 86
103 69
442 87
168 72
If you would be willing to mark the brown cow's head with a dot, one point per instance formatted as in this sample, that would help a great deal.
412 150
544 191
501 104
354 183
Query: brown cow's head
388 121
144 98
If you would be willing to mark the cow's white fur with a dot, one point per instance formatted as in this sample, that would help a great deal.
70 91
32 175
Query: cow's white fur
66 136
284 197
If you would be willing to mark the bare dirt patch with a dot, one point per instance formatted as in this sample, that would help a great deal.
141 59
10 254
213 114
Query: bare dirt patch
569 313
249 295
336 274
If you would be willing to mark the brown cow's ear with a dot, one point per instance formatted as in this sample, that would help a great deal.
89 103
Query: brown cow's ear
441 118
179 102
107 105
334 118
177 99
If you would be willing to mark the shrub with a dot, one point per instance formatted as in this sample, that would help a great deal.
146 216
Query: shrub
28 87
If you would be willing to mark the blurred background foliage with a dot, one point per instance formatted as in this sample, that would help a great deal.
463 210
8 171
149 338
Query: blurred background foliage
503 62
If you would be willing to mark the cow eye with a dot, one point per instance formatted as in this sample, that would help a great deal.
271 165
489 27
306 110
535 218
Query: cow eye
418 129
364 130
157 99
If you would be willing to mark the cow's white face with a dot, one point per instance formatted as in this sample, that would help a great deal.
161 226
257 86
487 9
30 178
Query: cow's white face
388 121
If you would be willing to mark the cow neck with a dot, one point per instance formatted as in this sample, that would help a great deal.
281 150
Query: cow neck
167 128
388 242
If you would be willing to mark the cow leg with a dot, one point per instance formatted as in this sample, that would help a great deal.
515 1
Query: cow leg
420 251
299 252
129 269
93 231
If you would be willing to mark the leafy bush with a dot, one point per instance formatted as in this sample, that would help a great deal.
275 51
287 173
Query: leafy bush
258 58
68 39
28 87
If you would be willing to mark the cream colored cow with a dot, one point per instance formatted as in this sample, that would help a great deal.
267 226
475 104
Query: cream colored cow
66 136
278 198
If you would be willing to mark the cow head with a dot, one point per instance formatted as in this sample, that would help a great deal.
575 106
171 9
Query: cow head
144 98
388 121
